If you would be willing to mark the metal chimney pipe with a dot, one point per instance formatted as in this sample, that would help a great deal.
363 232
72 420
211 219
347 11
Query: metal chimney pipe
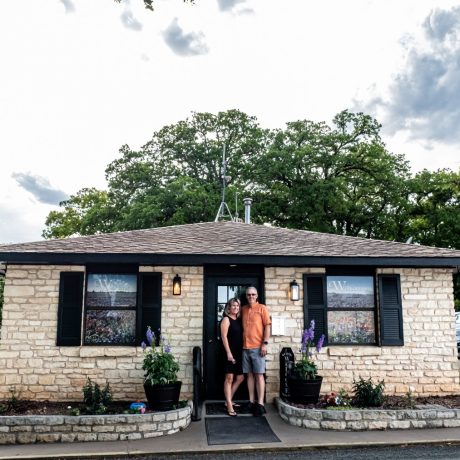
247 210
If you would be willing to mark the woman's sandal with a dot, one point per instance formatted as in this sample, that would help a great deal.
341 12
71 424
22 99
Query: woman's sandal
232 413
233 404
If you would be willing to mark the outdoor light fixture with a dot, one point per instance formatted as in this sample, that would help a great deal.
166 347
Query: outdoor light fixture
294 290
177 285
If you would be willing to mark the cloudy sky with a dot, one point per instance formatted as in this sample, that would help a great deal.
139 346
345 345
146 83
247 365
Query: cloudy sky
80 78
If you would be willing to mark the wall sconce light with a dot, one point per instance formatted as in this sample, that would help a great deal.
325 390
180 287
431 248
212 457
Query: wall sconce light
177 285
294 290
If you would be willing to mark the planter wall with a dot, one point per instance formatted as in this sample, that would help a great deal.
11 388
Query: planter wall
433 416
66 428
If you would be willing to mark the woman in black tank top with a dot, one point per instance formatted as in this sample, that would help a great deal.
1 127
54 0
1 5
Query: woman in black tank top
231 332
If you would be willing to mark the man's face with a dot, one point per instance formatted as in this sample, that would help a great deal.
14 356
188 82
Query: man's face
251 295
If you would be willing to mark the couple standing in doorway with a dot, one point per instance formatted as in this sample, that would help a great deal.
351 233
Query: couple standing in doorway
245 332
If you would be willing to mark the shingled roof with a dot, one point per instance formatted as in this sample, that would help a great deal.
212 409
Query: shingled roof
228 242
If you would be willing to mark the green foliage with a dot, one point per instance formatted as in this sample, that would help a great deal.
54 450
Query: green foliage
74 411
367 394
95 399
11 403
2 288
409 400
337 179
434 212
305 368
457 291
160 365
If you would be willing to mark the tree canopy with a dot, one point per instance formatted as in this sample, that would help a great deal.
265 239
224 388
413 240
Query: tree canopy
338 179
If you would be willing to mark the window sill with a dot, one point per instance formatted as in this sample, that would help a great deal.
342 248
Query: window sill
105 351
355 350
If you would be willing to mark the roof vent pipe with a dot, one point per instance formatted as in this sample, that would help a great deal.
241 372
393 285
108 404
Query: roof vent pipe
247 210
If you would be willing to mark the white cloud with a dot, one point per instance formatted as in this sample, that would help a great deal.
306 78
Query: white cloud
130 22
184 44
40 188
424 98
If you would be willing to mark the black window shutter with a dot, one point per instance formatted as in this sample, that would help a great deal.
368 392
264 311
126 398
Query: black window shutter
391 321
70 309
314 304
149 301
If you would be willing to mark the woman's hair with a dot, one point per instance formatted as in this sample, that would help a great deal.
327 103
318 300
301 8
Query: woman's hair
229 303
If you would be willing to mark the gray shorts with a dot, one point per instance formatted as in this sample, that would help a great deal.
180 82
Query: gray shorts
253 362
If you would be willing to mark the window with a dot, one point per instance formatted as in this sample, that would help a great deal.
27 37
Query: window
344 307
110 313
119 304
350 309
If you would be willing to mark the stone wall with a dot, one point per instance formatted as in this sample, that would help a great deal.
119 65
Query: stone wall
427 364
86 428
32 364
431 416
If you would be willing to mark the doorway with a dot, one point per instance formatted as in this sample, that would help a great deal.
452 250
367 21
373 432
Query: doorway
222 283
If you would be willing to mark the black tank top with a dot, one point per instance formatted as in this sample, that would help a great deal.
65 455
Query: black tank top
235 335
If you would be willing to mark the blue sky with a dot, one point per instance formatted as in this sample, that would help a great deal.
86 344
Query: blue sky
81 78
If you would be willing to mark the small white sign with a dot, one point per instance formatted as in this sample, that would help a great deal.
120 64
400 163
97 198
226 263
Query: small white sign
278 326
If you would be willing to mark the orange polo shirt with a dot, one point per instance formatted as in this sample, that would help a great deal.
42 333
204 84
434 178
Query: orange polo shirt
255 319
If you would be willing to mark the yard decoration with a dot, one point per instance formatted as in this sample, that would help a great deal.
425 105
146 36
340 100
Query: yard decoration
161 386
304 382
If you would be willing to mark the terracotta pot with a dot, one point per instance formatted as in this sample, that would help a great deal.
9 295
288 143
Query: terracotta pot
162 397
304 391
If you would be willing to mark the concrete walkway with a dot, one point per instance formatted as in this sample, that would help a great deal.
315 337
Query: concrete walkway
193 440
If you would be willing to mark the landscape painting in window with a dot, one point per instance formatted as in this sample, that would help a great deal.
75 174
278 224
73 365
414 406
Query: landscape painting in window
350 292
110 290
114 327
351 326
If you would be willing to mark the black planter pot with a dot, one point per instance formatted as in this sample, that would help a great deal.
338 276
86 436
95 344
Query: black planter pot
304 391
162 397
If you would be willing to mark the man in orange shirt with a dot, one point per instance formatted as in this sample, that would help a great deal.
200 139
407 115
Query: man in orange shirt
256 332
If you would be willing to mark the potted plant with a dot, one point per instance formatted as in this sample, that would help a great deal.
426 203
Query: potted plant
304 383
161 386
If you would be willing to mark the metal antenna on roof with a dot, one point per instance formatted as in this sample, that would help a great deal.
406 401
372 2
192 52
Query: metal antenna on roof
223 212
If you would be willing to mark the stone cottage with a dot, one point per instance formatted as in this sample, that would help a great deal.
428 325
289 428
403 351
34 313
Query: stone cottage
79 307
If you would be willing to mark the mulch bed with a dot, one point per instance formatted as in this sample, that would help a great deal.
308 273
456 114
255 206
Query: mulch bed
23 407
399 402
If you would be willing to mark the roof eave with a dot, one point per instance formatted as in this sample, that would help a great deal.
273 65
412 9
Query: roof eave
201 259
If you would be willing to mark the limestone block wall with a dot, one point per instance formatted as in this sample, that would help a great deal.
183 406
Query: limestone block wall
32 364
427 364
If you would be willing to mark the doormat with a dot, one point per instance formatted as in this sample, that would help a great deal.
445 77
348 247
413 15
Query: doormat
219 408
239 430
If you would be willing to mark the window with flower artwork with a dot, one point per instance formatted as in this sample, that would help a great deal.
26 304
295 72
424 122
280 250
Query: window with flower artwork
357 308
107 305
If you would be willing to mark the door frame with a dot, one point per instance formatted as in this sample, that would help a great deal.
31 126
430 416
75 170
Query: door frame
215 271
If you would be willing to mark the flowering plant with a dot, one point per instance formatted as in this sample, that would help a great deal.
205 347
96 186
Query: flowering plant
305 368
160 365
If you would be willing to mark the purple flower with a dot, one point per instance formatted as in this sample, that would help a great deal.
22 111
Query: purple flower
150 336
143 345
167 348
320 343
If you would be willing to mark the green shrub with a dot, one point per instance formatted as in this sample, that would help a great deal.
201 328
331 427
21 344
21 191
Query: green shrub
95 399
366 394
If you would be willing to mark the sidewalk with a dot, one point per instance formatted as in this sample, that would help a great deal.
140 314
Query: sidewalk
193 440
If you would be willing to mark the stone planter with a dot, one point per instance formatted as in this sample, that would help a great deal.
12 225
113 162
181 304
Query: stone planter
304 391
163 397
26 429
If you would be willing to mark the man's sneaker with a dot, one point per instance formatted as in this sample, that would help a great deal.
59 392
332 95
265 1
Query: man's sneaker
252 407
259 410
